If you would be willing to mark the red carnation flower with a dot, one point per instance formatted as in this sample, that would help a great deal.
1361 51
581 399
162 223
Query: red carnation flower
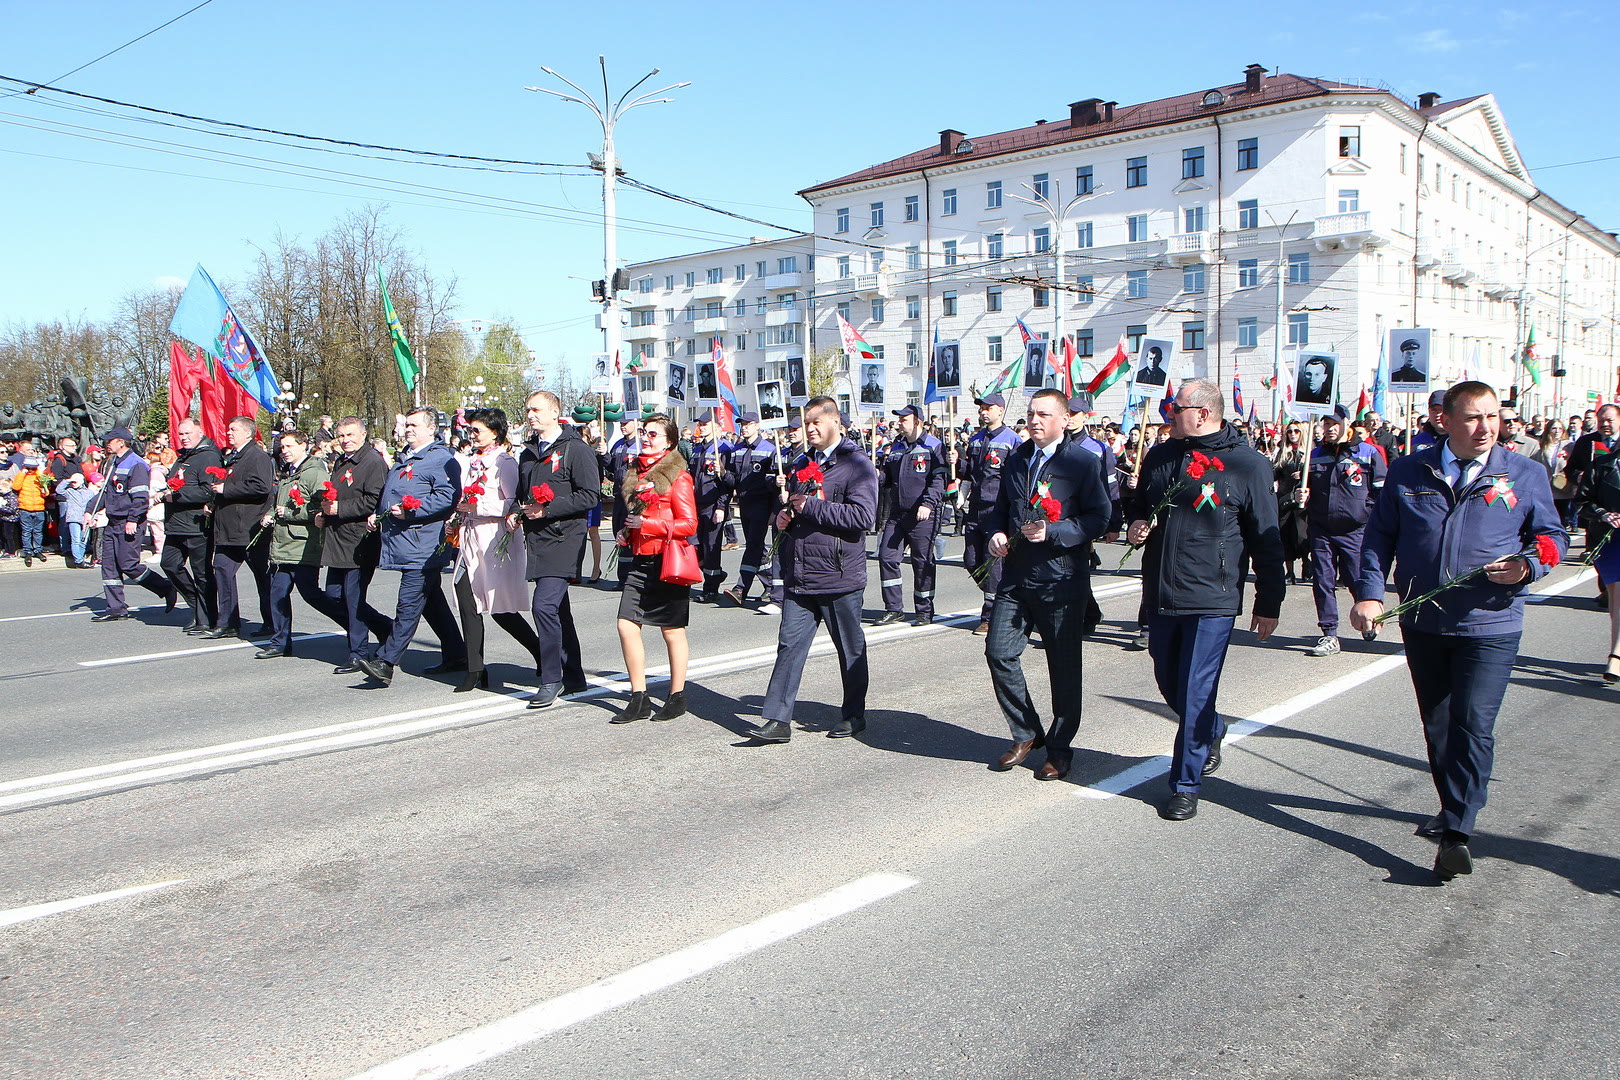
1051 508
295 495
810 474
1195 469
411 502
1546 551
176 483
329 491
1217 464
541 493
218 473
472 491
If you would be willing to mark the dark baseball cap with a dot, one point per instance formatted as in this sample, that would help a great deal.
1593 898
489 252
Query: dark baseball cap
1082 403
991 399
119 433
1437 399
795 424
910 410
748 418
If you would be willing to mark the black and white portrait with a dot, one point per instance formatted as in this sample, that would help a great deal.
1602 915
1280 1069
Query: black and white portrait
772 408
632 394
675 381
798 387
948 368
1153 365
1409 366
1314 382
872 386
1035 368
708 386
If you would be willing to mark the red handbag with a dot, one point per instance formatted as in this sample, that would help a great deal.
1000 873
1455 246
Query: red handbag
680 565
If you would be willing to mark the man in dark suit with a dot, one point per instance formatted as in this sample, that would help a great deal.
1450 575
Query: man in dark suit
1152 372
1045 578
240 500
351 546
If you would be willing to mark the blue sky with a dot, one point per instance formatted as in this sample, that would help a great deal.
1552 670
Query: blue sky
780 98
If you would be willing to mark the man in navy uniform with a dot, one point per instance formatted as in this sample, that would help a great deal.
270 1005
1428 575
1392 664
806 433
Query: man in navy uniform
125 498
979 468
755 464
1444 511
914 472
707 463
1345 480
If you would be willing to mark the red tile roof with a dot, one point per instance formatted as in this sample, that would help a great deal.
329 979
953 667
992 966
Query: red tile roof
1273 89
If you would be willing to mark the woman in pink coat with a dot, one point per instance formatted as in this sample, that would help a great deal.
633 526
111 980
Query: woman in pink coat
489 580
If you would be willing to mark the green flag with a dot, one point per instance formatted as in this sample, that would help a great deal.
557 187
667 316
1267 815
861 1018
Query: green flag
409 369
1532 362
1011 377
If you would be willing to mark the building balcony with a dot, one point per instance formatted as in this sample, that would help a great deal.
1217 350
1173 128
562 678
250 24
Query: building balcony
1347 232
869 284
718 290
642 333
1144 249
780 281
782 316
715 325
1496 281
1426 253
1190 247
1453 269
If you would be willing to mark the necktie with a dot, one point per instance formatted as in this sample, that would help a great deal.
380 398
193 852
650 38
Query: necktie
1464 469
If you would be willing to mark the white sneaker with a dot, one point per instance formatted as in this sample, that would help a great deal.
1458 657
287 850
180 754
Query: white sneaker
768 608
1325 646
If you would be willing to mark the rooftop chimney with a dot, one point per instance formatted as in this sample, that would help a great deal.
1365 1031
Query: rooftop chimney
1251 78
1084 113
1429 100
949 140
1108 111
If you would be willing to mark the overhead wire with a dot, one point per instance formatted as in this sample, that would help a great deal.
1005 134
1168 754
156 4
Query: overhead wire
110 52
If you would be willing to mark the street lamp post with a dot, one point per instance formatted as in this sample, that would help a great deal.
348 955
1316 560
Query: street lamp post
608 113
1060 221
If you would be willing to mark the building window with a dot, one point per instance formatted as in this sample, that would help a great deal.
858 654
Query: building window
992 298
877 261
1192 218
1192 162
1299 268
994 245
1043 186
714 309
1248 273
913 307
1192 278
877 215
714 276
1248 213
842 219
913 211
691 278
950 252
691 346
1043 239
1349 200
1248 333
843 266
1136 229
1084 343
1136 172
877 352
1350 142
669 348
1136 284
686 313
1085 234
669 282
1192 334
1299 329
992 195
911 354
742 375
759 268
1403 159
843 310
644 285
742 343
761 305
739 272
788 265
1088 290
913 398
878 308
740 308
993 350
948 304
948 202
1042 298
913 257
1133 338
1084 181
1248 154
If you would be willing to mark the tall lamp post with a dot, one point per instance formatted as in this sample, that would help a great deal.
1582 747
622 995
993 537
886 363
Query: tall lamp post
1060 221
607 113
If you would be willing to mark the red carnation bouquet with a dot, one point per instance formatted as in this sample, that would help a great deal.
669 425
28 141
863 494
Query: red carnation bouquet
410 502
1042 507
541 494
295 495
810 479
176 483
1199 464
1543 551
217 473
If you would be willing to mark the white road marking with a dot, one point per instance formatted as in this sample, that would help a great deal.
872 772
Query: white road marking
1144 771
463 1051
39 911
148 657
55 615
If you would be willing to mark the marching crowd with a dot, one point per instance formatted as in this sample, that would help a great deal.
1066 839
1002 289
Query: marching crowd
1461 513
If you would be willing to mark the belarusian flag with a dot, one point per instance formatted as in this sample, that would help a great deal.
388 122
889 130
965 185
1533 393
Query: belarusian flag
1363 405
1065 365
1532 362
1116 369
855 346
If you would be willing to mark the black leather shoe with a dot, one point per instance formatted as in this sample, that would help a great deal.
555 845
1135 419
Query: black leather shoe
270 650
772 731
574 688
1434 828
545 695
888 618
923 620
1213 762
380 670
637 708
1453 859
109 616
346 669
1180 807
169 601
475 680
217 632
674 706
446 667
261 631
194 627
848 728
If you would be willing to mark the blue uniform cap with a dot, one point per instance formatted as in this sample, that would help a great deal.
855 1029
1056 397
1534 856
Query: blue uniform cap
909 410
991 399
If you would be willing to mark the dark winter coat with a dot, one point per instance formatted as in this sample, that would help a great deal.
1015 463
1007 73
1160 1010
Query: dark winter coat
1076 480
556 541
185 510
250 484
350 543
824 548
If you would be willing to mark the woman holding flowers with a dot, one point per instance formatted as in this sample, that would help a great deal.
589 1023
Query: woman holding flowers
657 490
489 575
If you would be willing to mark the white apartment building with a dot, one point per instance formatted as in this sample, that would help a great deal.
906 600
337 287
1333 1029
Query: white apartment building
1240 222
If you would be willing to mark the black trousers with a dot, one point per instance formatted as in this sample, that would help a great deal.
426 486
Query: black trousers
472 627
1057 612
975 552
188 562
307 581
348 586
900 533
756 526
708 544
801 614
554 627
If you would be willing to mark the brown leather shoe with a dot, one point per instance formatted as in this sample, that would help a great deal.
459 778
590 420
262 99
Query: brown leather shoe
1017 753
1056 767
982 629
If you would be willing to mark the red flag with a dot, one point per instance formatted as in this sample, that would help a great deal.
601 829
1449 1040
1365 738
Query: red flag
184 375
1066 364
1363 404
222 399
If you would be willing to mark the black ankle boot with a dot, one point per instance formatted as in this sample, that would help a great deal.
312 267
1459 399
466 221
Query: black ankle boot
474 680
637 708
674 706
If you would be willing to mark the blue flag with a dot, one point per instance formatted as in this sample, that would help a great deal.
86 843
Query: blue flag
1381 375
931 393
1237 395
205 319
1165 411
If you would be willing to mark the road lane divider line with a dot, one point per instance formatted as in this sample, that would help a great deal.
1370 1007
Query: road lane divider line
148 657
56 615
461 1052
39 911
1143 771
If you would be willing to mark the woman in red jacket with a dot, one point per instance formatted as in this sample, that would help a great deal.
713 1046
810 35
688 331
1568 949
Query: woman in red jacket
657 489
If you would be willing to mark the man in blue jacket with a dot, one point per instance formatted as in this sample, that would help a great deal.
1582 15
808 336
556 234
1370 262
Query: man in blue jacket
125 497
1045 578
1463 504
979 469
1345 479
822 562
914 470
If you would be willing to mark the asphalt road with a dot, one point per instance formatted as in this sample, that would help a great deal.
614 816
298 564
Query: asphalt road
411 882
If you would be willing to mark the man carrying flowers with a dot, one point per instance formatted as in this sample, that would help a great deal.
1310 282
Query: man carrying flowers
1465 525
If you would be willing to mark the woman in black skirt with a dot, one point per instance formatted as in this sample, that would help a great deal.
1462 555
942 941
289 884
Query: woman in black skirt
657 490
